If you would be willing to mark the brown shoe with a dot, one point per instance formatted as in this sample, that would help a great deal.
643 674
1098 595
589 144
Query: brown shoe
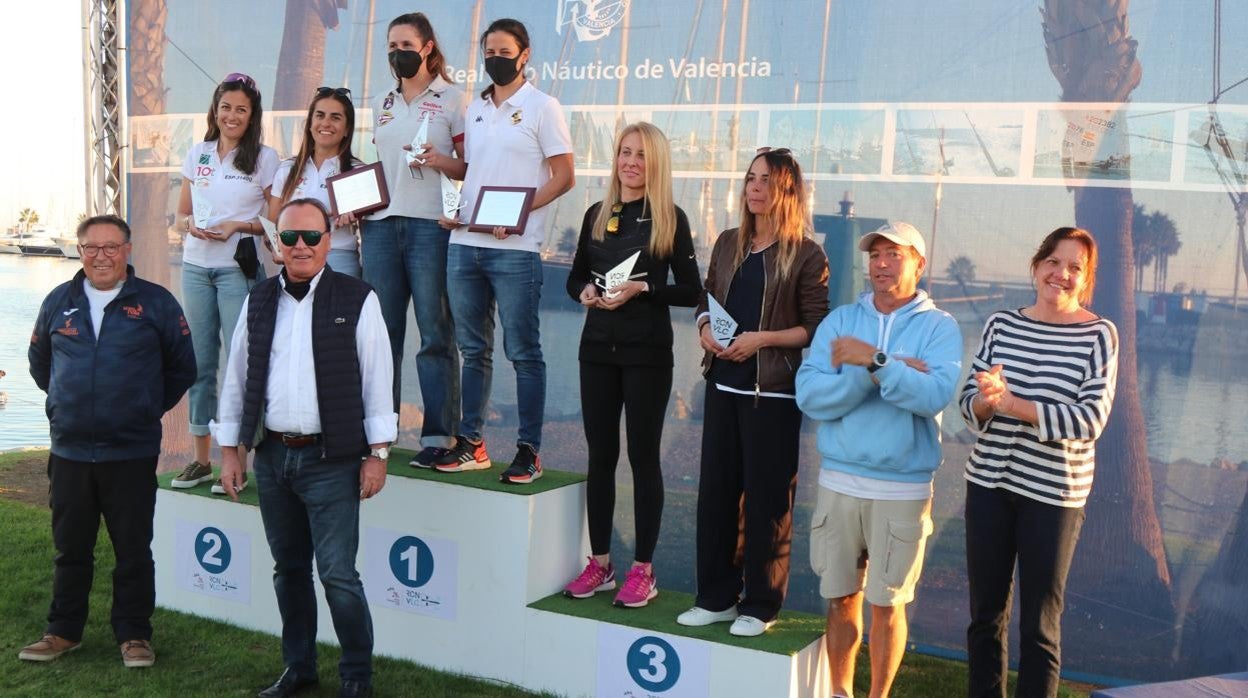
48 647
137 653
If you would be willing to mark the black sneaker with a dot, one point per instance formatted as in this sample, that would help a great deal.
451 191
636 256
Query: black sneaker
465 456
525 467
428 456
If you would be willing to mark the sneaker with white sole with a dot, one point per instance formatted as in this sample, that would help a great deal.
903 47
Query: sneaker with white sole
525 467
593 579
218 488
698 616
639 587
465 456
749 626
193 474
428 457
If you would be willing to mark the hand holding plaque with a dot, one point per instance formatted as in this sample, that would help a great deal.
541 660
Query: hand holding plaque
502 207
359 191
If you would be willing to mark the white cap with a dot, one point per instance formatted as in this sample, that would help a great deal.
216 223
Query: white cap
897 232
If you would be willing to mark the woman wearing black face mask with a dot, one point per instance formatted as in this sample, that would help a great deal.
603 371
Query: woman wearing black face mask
403 249
515 136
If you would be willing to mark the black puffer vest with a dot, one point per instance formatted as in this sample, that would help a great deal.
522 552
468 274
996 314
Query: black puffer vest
336 304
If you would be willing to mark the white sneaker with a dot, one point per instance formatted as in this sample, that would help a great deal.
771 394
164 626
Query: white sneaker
700 616
749 626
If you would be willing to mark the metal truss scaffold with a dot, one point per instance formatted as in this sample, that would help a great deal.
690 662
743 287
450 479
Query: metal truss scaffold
103 38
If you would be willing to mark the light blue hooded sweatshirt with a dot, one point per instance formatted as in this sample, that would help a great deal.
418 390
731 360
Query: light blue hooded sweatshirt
889 431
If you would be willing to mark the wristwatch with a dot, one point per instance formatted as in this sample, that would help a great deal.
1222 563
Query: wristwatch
877 362
382 454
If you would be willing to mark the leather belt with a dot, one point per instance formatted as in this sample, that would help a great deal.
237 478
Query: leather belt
293 440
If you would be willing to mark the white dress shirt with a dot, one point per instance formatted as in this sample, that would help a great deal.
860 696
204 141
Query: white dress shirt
290 394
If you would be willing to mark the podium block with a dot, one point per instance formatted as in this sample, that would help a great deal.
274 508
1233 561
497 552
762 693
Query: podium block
463 574
586 647
449 562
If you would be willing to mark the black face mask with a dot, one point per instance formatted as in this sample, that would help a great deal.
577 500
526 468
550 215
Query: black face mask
502 70
405 63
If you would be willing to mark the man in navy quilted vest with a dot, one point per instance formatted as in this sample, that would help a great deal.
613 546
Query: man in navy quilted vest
309 386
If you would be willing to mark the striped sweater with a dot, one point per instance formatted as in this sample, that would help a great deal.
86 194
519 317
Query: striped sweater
1069 371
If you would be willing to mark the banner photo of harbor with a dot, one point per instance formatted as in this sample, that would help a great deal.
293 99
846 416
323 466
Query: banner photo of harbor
968 120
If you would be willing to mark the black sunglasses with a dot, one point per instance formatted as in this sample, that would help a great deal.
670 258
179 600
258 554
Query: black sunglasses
327 91
311 238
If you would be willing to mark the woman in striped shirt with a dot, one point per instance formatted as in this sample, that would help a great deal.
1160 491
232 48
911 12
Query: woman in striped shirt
1039 394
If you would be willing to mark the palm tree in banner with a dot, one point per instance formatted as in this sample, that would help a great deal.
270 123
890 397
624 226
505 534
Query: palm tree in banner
1120 582
150 192
301 62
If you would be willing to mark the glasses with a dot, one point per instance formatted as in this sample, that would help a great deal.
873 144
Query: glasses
311 238
109 250
241 78
327 91
613 223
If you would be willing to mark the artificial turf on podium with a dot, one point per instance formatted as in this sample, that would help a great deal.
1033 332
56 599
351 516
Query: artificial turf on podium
398 467
792 633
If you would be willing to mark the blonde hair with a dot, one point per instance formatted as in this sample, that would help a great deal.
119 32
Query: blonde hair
787 209
658 191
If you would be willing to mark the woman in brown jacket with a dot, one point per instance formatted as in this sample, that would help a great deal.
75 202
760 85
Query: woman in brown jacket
771 278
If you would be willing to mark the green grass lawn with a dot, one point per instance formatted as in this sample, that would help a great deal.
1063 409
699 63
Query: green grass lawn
200 657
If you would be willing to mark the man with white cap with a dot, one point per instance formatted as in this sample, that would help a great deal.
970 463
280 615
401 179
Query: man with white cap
877 377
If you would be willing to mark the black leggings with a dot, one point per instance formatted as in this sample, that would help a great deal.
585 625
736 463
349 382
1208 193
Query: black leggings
642 392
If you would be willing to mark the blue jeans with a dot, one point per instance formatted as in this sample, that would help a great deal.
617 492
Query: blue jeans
312 506
345 261
405 258
212 300
478 279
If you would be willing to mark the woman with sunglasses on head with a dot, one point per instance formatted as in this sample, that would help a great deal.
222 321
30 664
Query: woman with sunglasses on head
324 152
515 135
771 277
225 188
1038 396
403 247
626 347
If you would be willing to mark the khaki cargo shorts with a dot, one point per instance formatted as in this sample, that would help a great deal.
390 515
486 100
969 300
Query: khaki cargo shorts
847 531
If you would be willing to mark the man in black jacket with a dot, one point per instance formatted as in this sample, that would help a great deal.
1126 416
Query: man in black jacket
113 352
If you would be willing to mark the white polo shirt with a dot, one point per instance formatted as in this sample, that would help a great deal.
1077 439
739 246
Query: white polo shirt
395 122
507 146
233 196
312 186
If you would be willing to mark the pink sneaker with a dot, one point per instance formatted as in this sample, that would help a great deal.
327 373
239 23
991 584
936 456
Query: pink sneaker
593 579
639 587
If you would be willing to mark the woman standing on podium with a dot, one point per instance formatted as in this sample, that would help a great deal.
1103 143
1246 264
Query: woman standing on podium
225 188
771 278
403 247
626 347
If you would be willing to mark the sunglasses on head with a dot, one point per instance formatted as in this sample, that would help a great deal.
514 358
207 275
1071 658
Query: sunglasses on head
327 91
311 238
777 151
241 79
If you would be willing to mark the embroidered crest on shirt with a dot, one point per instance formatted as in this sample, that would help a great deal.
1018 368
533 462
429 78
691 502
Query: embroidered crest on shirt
516 117
389 102
204 158
385 118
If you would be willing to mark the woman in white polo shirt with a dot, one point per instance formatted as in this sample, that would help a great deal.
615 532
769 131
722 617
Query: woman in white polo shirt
225 187
514 135
324 152
404 249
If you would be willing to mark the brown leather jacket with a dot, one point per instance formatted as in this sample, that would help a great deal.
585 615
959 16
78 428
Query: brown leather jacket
799 300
